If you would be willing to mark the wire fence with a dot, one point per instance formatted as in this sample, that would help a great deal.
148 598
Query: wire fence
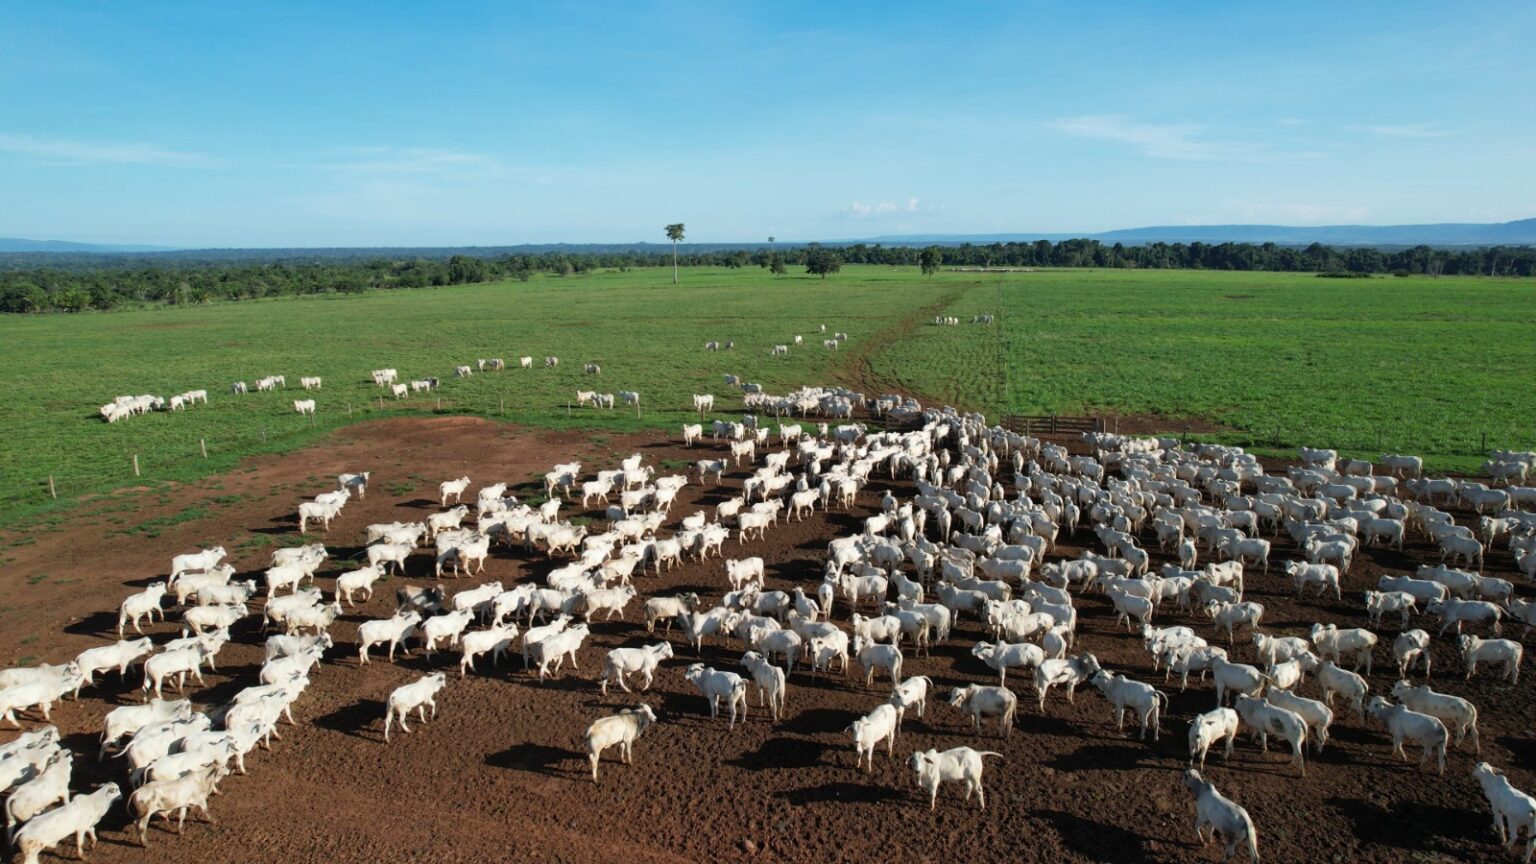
186 446
197 447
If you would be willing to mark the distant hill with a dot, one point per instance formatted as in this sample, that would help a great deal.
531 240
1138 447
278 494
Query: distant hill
42 252
1519 233
17 244
1444 234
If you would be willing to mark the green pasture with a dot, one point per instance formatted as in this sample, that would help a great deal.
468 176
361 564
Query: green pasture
1415 365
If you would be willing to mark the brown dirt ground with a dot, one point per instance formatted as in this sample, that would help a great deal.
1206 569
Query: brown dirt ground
498 775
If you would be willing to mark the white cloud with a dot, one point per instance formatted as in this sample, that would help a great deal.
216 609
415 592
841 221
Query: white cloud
1403 130
406 160
1181 141
861 210
1159 140
67 152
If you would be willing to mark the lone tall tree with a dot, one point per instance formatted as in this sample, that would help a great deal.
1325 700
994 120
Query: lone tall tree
675 234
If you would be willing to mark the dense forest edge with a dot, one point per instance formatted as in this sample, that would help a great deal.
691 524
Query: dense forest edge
79 282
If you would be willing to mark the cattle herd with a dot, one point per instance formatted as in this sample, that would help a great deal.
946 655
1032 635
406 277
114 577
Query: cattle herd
972 535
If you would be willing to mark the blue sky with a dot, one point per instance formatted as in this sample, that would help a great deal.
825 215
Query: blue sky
401 123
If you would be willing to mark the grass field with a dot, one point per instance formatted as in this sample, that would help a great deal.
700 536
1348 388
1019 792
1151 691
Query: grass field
647 334
1417 365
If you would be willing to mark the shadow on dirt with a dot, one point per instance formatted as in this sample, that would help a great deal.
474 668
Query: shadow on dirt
1096 841
536 758
356 719
782 753
840 792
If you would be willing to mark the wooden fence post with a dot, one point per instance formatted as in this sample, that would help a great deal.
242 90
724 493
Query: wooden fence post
503 405
52 492
439 403
135 464
203 446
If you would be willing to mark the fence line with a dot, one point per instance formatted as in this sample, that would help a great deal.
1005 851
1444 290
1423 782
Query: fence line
148 464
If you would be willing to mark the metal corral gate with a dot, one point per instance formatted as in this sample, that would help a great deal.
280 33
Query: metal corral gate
1051 424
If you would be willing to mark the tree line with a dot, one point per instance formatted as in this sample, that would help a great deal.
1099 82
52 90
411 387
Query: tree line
78 282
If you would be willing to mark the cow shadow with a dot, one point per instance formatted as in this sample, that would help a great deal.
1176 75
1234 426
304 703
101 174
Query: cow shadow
1096 841
1523 749
782 753
1409 825
353 719
535 759
101 623
819 721
1108 757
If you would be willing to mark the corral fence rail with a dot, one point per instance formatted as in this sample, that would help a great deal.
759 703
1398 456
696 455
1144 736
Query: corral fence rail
1051 424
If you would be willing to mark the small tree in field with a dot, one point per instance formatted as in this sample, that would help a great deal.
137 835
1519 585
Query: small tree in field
929 260
675 234
820 261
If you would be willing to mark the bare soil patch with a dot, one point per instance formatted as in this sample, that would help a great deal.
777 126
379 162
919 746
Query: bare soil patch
498 776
